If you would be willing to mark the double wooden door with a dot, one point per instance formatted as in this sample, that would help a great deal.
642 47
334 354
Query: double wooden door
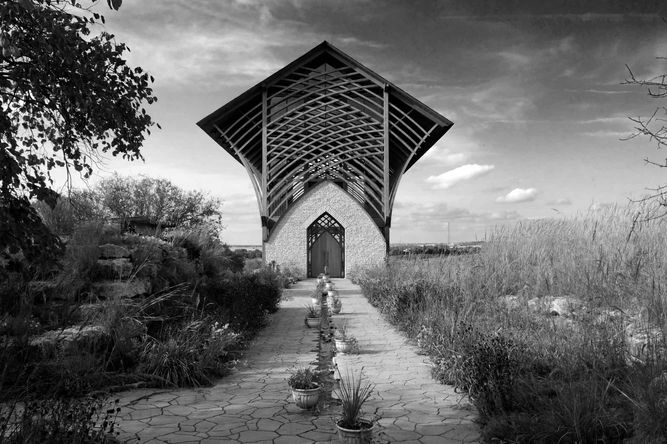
326 247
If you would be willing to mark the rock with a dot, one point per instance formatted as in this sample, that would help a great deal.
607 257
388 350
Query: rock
121 289
555 306
111 251
71 339
114 268
563 305
643 340
511 301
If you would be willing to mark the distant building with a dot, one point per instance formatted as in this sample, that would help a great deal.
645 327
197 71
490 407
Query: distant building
325 142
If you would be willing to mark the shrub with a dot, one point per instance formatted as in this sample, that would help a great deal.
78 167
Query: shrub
243 300
190 356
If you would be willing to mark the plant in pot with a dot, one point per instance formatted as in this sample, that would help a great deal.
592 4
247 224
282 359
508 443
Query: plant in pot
320 288
312 318
353 393
305 388
315 297
345 342
334 303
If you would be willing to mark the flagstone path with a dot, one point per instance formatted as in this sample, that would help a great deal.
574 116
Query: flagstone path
254 405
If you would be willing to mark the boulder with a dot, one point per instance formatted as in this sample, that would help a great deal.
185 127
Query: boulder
121 289
111 251
511 301
114 268
71 339
563 305
643 340
555 306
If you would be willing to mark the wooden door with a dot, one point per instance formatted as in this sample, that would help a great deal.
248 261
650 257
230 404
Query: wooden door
326 247
326 252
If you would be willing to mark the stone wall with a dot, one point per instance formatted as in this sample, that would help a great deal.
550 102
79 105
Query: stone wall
364 243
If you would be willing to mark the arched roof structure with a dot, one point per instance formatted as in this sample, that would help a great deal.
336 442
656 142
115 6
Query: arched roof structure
325 117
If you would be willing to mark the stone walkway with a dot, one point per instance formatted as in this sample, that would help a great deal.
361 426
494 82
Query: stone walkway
253 404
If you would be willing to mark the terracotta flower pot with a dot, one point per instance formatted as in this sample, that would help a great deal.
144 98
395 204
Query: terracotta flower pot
357 436
306 398
313 322
344 346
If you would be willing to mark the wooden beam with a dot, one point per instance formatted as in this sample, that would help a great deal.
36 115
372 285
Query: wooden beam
385 185
265 229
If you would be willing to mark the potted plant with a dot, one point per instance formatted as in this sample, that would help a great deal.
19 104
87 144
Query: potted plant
336 306
345 342
312 318
315 297
320 288
331 292
353 393
305 388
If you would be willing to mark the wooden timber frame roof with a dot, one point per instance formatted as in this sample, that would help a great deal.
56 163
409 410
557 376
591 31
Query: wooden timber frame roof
325 117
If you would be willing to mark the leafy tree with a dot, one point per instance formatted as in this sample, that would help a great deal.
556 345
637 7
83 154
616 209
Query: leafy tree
118 197
159 200
66 97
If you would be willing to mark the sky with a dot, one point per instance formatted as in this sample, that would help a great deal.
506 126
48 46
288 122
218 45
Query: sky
535 92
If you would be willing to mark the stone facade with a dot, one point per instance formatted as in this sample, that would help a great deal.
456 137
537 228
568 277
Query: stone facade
364 243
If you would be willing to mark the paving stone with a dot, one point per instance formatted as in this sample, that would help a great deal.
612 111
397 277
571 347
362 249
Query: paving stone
294 428
291 439
250 436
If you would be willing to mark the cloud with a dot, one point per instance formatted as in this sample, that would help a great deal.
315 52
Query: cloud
518 195
445 156
464 172
609 133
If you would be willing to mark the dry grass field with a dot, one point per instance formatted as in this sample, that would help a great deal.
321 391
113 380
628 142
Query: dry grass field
556 330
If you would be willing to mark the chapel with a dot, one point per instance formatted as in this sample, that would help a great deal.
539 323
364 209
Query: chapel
325 142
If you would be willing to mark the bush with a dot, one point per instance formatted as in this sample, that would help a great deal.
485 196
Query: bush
190 356
244 300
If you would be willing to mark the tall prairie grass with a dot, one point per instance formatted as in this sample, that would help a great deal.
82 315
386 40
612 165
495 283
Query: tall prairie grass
554 330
